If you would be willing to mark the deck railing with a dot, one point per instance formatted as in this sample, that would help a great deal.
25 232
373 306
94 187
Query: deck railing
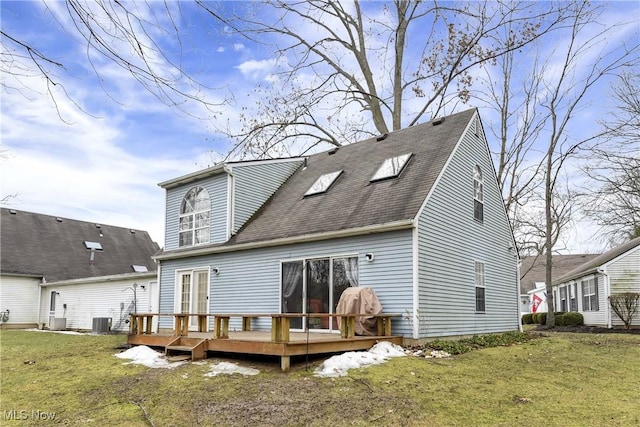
141 323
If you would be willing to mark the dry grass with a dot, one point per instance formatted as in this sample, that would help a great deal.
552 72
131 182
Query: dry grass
577 379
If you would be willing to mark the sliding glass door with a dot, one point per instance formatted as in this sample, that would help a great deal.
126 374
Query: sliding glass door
315 286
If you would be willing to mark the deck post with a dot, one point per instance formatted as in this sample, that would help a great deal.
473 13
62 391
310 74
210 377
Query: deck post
285 363
149 319
348 326
280 328
221 327
246 324
182 325
202 323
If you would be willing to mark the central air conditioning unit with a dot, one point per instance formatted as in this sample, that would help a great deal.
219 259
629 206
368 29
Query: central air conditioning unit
58 324
101 325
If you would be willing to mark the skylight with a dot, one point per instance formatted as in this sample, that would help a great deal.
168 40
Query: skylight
391 167
323 183
96 246
140 268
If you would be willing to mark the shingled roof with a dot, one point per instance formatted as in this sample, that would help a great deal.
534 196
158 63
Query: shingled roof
592 265
46 246
533 268
353 201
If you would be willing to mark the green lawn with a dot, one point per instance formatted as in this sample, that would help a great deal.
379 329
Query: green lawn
561 379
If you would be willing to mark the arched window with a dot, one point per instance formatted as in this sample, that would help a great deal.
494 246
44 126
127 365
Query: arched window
194 217
478 194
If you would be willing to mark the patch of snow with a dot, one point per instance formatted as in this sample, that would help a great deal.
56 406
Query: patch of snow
230 369
143 355
56 332
337 366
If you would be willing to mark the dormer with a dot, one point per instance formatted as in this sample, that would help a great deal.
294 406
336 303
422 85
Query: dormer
209 206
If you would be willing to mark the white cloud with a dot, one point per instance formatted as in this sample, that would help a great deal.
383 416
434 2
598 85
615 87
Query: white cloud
238 47
257 69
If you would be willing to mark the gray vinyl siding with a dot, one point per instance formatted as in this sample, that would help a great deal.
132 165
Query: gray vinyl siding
450 241
249 281
254 184
217 187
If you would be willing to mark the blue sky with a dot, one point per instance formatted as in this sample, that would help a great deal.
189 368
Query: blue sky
101 158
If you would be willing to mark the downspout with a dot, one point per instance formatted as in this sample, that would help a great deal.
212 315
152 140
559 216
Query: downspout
416 286
607 293
230 201
159 286
518 265
41 286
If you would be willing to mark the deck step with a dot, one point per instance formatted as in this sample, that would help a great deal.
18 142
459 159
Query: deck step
193 348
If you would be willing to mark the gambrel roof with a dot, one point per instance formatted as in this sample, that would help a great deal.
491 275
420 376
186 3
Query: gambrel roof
594 264
58 249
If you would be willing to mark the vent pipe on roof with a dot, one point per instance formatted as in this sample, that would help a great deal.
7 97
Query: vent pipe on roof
382 137
12 212
438 121
59 219
333 151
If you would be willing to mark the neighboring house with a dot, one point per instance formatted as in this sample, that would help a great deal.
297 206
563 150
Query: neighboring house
58 268
533 273
416 215
615 271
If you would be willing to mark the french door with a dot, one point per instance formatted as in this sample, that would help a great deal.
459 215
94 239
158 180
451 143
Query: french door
193 287
315 286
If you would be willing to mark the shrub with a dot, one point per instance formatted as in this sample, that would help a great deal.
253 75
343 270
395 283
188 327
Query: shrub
542 318
465 345
527 319
560 319
572 319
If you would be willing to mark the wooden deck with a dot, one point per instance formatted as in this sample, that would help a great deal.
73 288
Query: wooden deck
280 341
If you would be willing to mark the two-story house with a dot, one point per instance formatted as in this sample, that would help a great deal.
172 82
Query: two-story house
415 214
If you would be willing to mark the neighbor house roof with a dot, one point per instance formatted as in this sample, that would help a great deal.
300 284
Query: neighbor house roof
59 248
533 268
353 200
592 265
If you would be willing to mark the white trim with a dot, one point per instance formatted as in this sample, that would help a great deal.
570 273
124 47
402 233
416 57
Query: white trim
231 188
177 299
369 229
97 279
416 284
216 169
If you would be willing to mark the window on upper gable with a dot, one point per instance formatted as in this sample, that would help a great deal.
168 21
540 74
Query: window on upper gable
194 217
323 183
391 167
478 194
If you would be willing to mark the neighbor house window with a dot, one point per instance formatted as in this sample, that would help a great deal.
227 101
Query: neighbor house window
589 295
563 298
478 194
574 297
194 217
479 282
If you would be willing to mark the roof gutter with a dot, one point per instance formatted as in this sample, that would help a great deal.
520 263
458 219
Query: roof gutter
111 278
369 229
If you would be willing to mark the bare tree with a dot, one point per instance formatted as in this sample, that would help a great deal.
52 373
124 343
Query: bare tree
614 166
344 71
128 34
563 99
